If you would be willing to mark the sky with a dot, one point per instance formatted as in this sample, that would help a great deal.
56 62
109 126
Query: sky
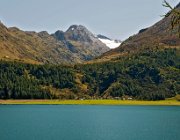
117 19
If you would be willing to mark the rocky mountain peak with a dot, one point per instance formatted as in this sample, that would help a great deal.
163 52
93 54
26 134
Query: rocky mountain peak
59 35
79 33
43 34
77 27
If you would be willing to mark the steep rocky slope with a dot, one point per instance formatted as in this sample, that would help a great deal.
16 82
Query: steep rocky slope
61 47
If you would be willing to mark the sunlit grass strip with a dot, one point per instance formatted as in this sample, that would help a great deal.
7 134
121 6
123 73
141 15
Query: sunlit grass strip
88 102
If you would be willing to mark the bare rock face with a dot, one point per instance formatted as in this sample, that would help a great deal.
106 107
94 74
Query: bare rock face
79 33
59 35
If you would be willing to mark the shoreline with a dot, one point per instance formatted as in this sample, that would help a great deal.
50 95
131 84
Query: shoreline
90 102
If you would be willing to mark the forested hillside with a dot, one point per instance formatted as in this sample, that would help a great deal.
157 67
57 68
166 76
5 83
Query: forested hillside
148 75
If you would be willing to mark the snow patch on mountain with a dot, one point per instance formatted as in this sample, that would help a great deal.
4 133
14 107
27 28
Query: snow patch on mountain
109 42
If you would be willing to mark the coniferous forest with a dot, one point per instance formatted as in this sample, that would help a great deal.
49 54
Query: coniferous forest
147 75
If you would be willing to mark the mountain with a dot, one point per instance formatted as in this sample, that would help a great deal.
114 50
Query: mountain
86 44
145 67
158 35
109 42
72 46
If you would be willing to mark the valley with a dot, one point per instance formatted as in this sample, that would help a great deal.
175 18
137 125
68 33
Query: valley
75 64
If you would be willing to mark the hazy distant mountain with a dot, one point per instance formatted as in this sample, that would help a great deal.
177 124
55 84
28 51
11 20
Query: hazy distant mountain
109 42
76 45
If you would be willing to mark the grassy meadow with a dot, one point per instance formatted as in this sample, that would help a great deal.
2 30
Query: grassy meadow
89 102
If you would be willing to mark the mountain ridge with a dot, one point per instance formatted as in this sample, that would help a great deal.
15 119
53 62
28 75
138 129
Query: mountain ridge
42 47
160 34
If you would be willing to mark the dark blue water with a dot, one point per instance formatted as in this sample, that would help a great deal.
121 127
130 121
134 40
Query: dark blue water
73 122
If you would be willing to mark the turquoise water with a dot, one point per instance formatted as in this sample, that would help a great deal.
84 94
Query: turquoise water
73 122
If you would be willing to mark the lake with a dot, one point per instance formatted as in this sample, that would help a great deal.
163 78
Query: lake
83 122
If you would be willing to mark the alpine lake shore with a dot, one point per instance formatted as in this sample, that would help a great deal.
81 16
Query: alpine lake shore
167 102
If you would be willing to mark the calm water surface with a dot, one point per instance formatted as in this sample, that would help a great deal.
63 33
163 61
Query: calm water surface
73 122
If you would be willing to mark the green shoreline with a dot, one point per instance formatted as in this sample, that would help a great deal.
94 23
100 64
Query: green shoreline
89 102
